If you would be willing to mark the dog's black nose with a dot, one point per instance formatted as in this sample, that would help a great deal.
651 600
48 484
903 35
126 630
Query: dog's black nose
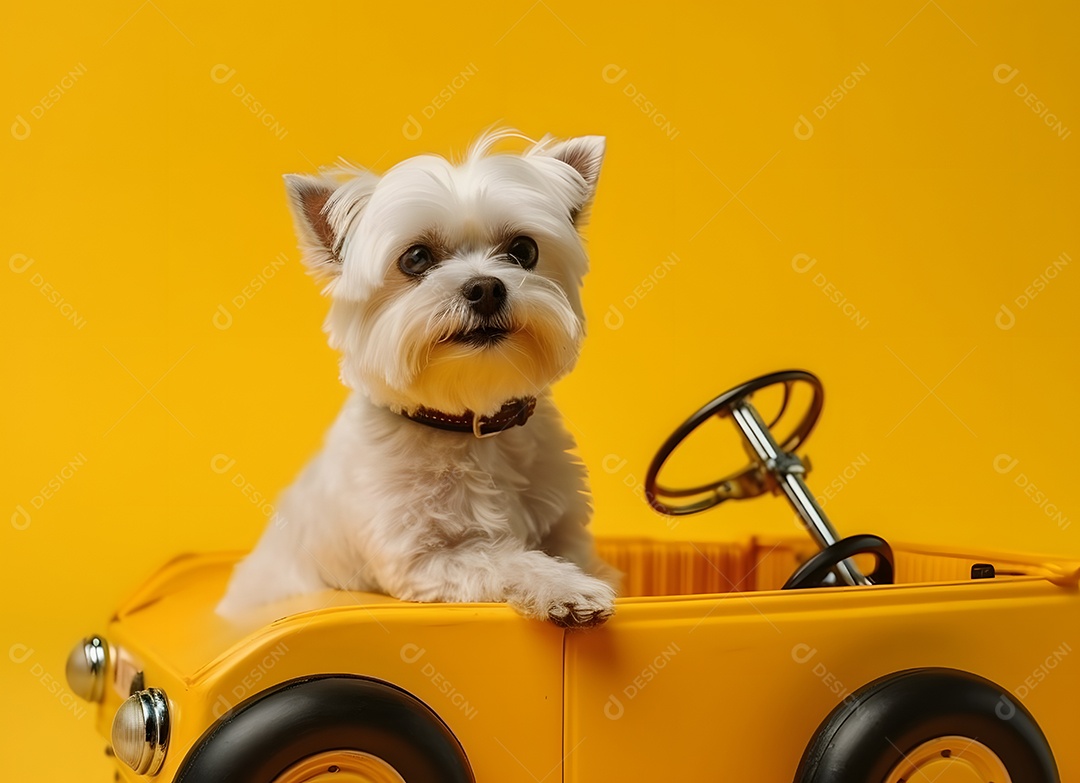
484 294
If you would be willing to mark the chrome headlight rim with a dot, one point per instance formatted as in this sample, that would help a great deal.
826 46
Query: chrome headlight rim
86 667
140 731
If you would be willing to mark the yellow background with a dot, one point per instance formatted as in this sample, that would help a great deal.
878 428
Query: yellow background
147 194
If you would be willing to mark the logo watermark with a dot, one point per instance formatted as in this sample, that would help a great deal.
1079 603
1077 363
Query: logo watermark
222 464
1005 464
19 263
21 519
223 317
837 485
614 318
412 653
613 74
1005 708
20 653
1005 319
223 74
614 708
1005 73
804 128
413 129
613 465
803 653
802 263
21 128
246 686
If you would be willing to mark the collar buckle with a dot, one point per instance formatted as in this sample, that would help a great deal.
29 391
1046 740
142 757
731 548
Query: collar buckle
477 425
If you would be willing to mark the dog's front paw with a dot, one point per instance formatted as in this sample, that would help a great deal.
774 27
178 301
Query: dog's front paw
580 612
586 603
547 588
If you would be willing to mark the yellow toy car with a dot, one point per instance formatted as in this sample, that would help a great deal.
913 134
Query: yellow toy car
719 664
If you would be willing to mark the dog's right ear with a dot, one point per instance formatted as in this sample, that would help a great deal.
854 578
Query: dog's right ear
323 210
309 199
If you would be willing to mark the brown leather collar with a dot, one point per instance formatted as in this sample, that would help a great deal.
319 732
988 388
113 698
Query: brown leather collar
512 414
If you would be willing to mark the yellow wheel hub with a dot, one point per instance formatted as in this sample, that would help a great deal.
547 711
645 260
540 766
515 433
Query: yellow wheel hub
340 766
950 760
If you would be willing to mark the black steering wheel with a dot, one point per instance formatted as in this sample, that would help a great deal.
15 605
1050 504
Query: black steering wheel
743 484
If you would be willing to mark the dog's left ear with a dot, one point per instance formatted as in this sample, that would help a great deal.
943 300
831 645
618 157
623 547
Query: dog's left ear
584 154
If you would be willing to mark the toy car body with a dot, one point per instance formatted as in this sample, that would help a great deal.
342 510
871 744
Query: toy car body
708 671
762 660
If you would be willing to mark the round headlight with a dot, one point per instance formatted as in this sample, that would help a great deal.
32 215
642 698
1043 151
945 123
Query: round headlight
85 668
140 731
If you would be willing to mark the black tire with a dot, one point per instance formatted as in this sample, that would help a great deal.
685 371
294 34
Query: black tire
267 734
864 738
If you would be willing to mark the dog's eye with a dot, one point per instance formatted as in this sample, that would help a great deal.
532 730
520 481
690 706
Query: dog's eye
523 252
416 260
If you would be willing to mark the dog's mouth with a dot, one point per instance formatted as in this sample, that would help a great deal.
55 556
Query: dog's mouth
481 336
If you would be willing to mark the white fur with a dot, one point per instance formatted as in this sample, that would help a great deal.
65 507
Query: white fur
396 506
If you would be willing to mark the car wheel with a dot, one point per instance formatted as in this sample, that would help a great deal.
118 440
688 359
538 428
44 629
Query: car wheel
928 724
338 728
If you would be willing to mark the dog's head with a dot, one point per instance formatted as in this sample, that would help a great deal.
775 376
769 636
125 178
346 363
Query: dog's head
454 287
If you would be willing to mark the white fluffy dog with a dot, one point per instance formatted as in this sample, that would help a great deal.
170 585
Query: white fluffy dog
455 304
